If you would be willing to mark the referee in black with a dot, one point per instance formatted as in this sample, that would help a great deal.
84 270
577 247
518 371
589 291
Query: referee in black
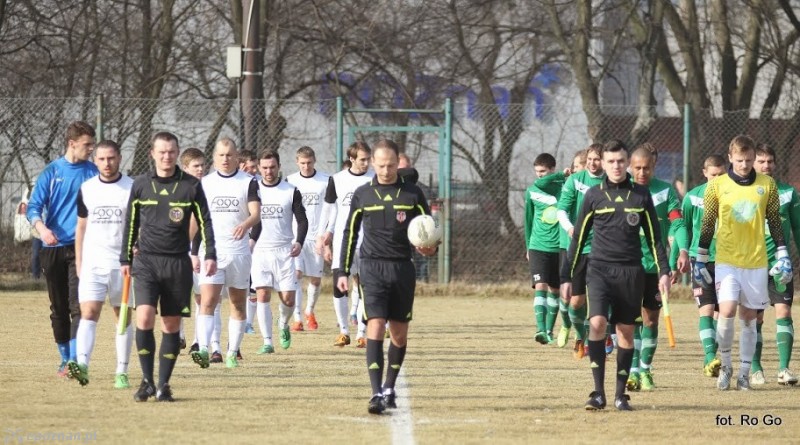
159 209
616 210
383 209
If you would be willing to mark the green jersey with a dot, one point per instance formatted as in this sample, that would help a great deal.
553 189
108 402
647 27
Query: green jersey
571 200
693 210
790 219
665 201
541 221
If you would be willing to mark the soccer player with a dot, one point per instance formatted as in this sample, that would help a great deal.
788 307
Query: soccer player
101 205
276 248
248 163
312 185
780 299
705 296
381 210
335 211
193 162
159 209
542 239
235 207
668 212
569 203
55 195
616 210
737 205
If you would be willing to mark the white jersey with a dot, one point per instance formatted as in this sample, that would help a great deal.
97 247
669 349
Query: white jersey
105 206
277 214
227 198
341 187
313 191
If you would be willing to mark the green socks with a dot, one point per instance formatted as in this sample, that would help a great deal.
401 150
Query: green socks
755 366
563 308
637 347
784 337
649 345
708 338
540 309
578 318
552 311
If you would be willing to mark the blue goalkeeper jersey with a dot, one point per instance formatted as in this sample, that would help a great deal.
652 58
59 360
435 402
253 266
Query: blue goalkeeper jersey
56 196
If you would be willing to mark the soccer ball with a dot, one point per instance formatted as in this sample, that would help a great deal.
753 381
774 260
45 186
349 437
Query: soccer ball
424 231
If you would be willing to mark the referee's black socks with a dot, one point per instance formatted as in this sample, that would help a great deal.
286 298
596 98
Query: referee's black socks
168 355
597 361
146 349
395 356
375 364
624 360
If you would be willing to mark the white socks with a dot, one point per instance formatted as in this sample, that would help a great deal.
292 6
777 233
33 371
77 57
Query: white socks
84 340
362 327
747 345
205 327
124 343
216 333
250 310
298 303
235 334
725 339
311 298
355 298
340 305
286 313
265 321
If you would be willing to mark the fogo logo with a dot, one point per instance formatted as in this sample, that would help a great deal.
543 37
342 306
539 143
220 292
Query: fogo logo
225 204
310 199
346 200
106 213
271 211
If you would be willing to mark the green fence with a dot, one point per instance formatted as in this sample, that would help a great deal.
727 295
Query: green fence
493 147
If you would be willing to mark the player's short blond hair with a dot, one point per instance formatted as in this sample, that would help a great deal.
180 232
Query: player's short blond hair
191 154
305 152
741 143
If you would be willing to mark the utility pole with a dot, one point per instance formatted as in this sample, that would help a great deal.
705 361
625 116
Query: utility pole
252 86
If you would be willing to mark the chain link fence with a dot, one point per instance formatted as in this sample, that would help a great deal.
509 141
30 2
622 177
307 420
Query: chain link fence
493 151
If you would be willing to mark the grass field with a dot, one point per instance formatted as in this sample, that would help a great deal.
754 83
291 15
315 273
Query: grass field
472 375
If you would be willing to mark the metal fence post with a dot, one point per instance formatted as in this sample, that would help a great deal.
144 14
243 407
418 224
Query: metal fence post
339 132
687 112
447 177
99 118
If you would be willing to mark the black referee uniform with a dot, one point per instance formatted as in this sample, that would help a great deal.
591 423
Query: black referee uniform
159 210
388 277
616 213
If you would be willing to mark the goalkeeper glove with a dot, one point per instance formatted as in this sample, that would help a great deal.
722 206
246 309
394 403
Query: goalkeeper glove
700 274
782 270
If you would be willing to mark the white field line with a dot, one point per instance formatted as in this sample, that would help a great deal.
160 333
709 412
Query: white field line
402 421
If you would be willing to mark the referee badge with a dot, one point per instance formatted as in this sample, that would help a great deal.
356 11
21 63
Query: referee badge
176 214
401 216
632 219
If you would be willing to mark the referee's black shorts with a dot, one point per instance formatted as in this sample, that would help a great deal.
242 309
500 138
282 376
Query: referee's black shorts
387 288
615 286
578 275
164 280
544 267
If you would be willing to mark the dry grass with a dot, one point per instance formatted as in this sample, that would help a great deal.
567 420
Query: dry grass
474 374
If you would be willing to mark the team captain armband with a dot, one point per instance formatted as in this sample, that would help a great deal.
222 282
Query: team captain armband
675 214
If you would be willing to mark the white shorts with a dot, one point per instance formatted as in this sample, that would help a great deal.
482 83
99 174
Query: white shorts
309 262
747 287
274 268
232 271
97 282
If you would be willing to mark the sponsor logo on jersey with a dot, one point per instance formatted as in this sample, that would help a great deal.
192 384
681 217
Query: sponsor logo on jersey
271 211
401 216
346 200
225 204
581 187
785 197
310 199
660 197
697 201
176 214
107 215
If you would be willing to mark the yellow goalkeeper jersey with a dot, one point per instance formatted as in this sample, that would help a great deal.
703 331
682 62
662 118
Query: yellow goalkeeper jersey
741 211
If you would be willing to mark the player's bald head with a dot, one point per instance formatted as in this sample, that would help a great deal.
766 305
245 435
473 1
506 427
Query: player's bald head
642 153
226 144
